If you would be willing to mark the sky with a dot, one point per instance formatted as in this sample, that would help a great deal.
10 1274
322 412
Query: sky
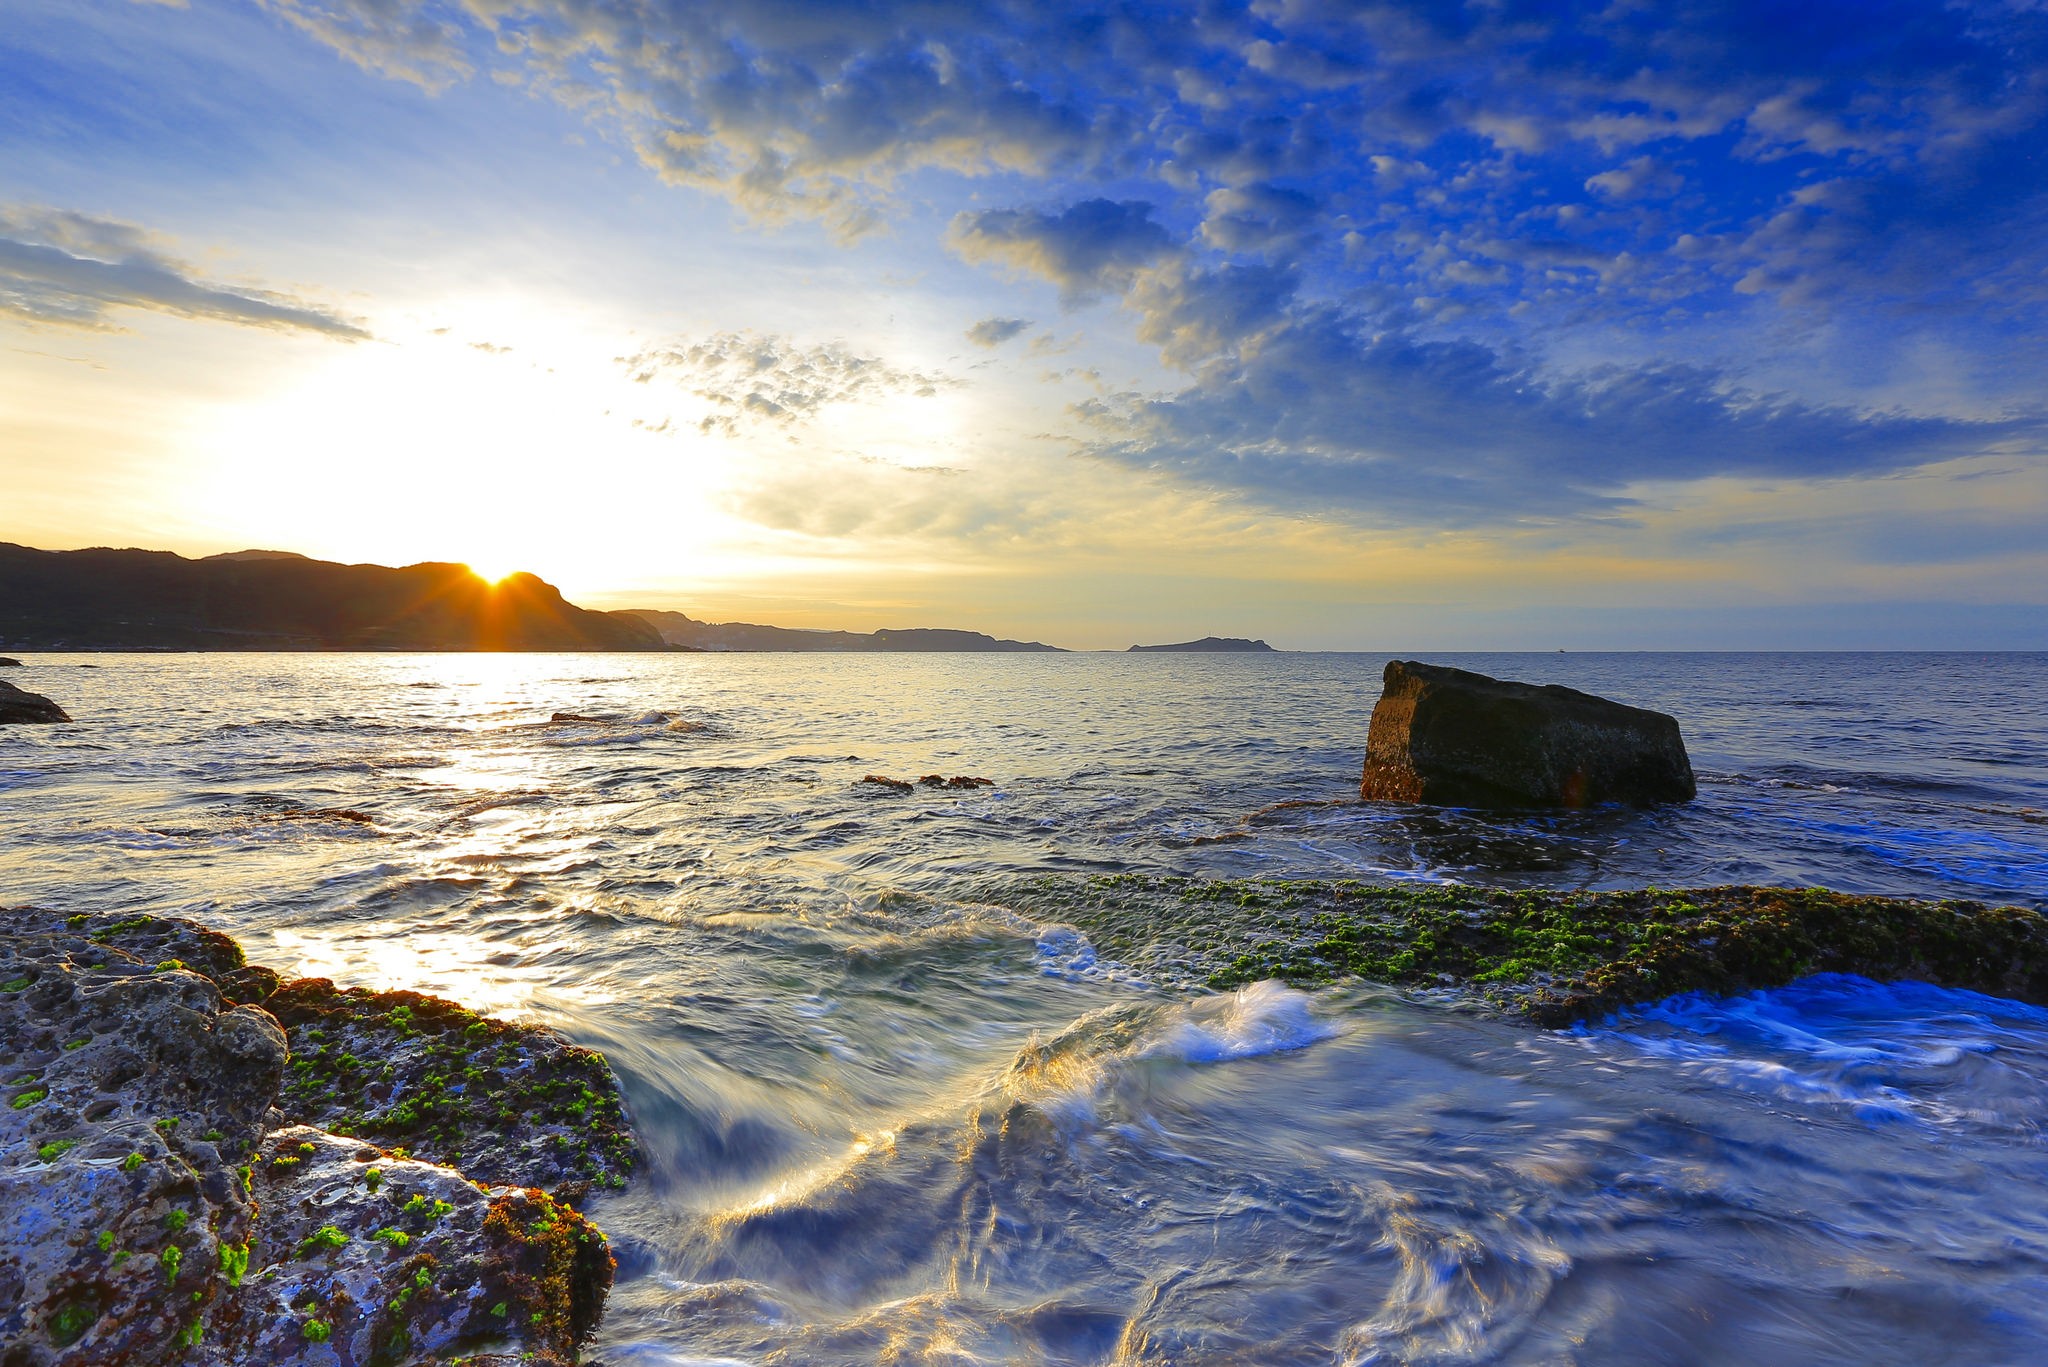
1481 324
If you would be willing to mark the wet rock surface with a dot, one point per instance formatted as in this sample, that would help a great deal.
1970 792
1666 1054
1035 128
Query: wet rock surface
151 1211
18 706
1550 957
502 1102
1454 738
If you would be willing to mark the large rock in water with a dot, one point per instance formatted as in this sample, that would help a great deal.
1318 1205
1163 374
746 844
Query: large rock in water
1458 739
20 705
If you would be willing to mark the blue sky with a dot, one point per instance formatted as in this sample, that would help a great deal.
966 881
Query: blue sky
1347 325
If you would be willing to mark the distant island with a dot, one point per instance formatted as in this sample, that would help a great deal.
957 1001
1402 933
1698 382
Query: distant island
273 600
1214 644
682 631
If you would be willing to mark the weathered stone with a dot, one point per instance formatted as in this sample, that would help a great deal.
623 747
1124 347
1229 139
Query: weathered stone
146 1217
502 1102
387 1260
18 705
9 662
1453 738
132 1097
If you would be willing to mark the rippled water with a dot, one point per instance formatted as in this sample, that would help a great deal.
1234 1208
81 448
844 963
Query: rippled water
887 1121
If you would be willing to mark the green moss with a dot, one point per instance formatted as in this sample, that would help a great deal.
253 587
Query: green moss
171 1259
29 1098
1553 956
317 1331
325 1237
191 1335
234 1262
77 1043
105 1241
132 1162
169 966
397 1239
15 985
176 1221
68 1322
55 1149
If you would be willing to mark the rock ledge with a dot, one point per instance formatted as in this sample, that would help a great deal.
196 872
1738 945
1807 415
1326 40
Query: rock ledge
153 1209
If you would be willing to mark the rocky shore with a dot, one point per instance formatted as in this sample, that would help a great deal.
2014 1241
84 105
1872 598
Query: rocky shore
1550 957
200 1164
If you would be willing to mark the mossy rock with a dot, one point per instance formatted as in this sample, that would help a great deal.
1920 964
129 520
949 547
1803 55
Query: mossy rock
1553 957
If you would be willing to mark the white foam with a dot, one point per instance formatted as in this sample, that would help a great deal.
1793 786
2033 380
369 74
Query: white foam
1262 1018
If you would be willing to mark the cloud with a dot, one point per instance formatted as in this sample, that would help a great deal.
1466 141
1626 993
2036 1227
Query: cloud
74 270
993 332
751 380
1306 404
1467 258
1087 249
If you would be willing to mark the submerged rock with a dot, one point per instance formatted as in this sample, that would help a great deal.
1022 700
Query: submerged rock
1454 738
957 781
1550 957
18 705
9 662
152 1210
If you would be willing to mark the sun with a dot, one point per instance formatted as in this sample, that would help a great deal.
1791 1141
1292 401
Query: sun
492 570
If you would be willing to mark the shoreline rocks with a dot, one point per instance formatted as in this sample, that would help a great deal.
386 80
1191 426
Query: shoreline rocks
162 1199
1552 958
1453 738
18 706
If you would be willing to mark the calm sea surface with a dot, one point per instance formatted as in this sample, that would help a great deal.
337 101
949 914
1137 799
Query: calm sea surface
887 1121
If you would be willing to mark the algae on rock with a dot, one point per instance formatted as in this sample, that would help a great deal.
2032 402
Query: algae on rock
152 1212
1552 957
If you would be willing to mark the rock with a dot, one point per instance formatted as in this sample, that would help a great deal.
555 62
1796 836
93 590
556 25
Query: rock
957 781
157 1205
9 662
388 1260
133 1097
502 1102
894 785
20 705
1454 738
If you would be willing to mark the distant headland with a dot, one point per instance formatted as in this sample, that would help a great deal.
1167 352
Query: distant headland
689 633
1221 644
104 599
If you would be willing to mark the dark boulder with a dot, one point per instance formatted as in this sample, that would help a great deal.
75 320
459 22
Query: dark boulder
9 662
20 705
1453 738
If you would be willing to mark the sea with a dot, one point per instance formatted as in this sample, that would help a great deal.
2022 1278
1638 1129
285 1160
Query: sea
894 1109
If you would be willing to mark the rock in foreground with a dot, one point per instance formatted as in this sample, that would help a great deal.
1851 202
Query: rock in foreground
1453 738
20 705
154 1209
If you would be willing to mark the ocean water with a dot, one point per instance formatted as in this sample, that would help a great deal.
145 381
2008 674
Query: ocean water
887 1120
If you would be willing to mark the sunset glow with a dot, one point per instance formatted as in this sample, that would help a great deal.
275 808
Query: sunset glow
1326 327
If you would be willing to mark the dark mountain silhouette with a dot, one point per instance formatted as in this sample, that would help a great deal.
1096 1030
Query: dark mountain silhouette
272 600
679 630
1212 643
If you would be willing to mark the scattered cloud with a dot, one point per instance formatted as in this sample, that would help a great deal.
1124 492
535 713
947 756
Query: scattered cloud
75 270
749 380
1305 404
993 332
1088 249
